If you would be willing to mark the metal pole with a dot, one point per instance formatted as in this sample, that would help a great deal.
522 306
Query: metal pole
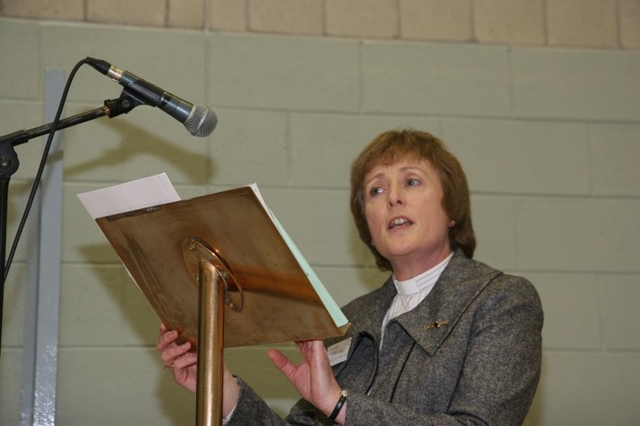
40 357
210 347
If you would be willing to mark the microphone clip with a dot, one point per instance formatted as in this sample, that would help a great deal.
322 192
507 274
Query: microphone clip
122 105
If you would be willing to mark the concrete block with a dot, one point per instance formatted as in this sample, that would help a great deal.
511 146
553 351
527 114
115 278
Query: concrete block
13 310
17 115
319 222
435 79
94 151
10 385
140 323
494 225
586 23
170 59
519 22
186 14
19 50
157 143
69 10
436 20
145 142
144 13
629 16
303 17
373 125
586 388
284 73
620 315
579 235
324 146
131 379
91 306
521 157
362 18
249 146
345 284
228 15
575 84
615 156
82 239
571 305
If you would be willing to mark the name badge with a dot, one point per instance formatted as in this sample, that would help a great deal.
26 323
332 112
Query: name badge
338 353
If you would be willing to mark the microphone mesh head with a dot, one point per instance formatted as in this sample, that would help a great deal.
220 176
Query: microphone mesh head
201 121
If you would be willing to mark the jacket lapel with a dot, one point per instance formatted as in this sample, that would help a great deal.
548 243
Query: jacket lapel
374 305
434 318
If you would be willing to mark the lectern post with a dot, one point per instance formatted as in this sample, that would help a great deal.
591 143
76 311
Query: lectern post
210 346
215 281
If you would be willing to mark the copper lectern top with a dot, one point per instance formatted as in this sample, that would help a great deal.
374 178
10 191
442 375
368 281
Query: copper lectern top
279 303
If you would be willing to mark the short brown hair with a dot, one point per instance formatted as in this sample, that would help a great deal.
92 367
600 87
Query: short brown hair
394 145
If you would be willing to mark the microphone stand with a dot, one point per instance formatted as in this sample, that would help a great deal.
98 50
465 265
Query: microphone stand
9 164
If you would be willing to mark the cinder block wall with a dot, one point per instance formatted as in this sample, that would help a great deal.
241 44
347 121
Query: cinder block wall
541 105
606 24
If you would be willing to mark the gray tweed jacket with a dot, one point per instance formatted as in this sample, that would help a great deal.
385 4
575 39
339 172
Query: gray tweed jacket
469 354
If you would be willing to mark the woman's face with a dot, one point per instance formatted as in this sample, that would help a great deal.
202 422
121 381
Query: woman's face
405 215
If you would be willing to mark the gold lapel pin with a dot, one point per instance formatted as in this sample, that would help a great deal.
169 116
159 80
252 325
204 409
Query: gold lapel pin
438 324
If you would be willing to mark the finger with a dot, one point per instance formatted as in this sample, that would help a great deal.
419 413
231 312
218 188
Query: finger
282 363
166 339
277 358
309 348
321 357
185 361
170 354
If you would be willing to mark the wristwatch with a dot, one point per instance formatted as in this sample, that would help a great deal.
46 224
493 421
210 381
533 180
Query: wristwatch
339 404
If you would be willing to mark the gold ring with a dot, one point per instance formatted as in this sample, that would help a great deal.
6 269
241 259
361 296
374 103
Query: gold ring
168 367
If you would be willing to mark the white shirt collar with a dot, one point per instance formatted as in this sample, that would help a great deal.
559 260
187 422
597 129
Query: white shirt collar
421 282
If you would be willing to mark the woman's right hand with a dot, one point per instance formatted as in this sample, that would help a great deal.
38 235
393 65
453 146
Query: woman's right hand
182 362
180 359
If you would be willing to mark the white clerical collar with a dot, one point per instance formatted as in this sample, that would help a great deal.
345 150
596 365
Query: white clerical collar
421 282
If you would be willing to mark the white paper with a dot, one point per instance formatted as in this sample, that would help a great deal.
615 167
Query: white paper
134 195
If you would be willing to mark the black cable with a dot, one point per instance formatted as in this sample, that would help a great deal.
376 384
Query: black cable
43 161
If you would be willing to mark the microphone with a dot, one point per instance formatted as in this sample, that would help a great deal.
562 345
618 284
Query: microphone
199 120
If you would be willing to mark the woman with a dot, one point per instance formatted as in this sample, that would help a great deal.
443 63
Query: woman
446 340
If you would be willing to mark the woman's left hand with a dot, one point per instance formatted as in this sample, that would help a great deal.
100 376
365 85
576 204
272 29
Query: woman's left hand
313 377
